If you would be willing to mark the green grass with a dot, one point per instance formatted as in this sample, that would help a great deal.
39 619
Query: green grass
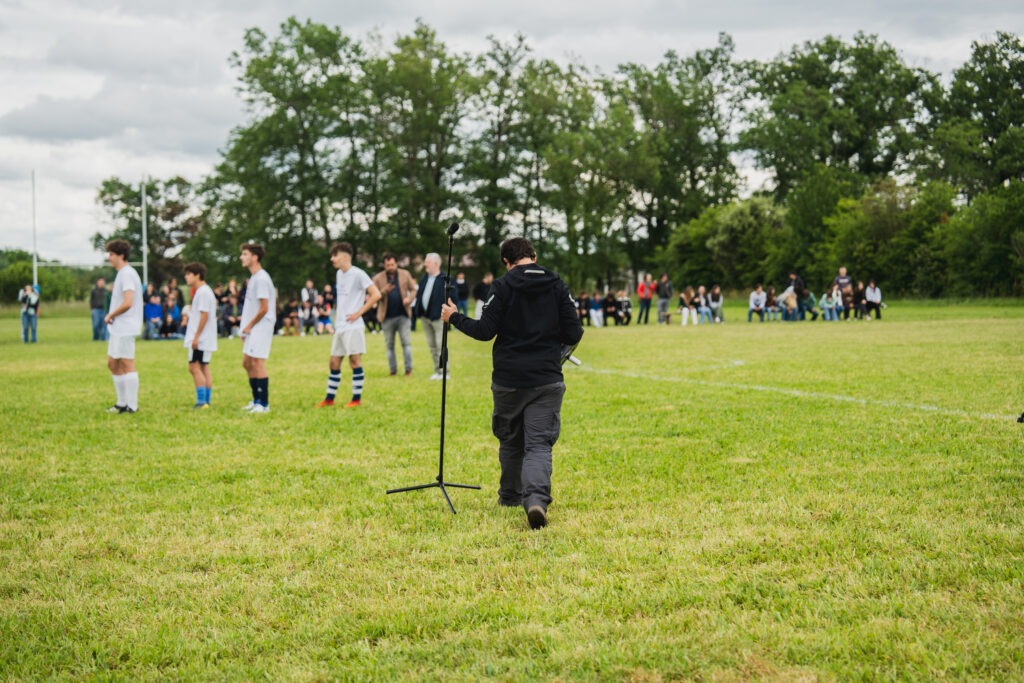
738 502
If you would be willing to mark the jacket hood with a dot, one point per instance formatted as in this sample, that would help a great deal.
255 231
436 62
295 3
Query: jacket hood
530 278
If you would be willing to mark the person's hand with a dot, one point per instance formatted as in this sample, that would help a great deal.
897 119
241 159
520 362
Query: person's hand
195 343
108 319
447 309
352 317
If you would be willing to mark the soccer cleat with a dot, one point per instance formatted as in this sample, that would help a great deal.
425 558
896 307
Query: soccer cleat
537 517
260 409
201 406
436 375
353 404
249 406
326 403
408 371
115 409
126 409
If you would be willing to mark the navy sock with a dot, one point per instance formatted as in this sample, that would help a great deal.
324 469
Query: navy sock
357 383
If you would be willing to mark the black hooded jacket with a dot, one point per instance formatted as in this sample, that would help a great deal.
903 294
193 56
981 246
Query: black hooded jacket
532 313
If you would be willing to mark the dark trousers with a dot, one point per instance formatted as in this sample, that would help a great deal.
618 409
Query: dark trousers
527 423
645 312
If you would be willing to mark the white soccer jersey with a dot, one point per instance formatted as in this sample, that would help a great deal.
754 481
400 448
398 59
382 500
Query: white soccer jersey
204 301
260 287
349 297
129 323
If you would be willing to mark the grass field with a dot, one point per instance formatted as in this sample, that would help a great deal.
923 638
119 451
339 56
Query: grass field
737 502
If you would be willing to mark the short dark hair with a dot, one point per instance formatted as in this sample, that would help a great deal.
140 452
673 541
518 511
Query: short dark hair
516 248
197 269
120 247
255 249
389 256
342 246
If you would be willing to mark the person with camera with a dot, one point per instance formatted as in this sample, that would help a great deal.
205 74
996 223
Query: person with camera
531 313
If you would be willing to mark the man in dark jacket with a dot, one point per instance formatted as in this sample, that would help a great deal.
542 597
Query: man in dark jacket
532 314
430 297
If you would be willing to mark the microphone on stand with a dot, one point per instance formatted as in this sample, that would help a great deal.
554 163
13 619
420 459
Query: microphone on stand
452 229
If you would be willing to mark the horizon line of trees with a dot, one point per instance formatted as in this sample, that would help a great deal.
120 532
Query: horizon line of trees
872 164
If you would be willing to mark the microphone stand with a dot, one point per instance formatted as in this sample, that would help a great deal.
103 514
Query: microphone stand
439 482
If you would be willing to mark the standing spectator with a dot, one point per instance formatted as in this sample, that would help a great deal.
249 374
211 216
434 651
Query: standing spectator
665 292
625 305
430 297
757 302
644 294
398 292
462 293
482 292
796 283
124 322
532 316
153 315
842 280
259 313
356 294
716 304
29 300
309 293
873 300
201 332
98 308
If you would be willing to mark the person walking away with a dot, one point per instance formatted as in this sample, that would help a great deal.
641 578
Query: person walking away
531 315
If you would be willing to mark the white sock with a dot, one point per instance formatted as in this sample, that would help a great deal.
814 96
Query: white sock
131 390
119 388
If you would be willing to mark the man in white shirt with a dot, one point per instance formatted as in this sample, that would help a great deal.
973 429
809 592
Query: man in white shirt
124 323
757 302
201 332
873 296
355 294
259 312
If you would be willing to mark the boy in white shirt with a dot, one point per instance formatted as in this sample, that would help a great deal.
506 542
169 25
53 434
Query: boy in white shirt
124 322
259 312
201 332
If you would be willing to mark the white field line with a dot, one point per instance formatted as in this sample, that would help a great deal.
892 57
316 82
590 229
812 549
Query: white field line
798 393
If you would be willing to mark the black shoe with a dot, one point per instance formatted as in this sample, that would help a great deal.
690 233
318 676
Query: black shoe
126 409
505 503
1021 418
116 409
537 517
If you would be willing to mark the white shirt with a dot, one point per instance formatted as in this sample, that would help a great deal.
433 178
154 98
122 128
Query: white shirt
349 297
874 295
758 299
260 287
204 301
129 323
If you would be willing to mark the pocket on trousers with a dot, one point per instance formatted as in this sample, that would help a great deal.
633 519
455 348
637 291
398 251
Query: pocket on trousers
555 428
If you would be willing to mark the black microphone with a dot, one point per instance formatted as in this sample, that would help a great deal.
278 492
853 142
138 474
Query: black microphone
452 229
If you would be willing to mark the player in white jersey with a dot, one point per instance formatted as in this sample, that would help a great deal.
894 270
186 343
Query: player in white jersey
355 294
201 332
124 323
259 312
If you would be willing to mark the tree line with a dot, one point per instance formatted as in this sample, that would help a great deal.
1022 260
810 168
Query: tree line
870 163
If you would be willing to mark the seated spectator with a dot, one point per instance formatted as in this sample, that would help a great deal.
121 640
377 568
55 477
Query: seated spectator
172 308
230 317
757 303
860 302
153 314
808 305
703 309
596 312
583 308
290 317
771 303
715 304
848 307
687 307
169 328
873 300
373 325
837 302
625 306
610 309
789 305
324 324
827 305
307 317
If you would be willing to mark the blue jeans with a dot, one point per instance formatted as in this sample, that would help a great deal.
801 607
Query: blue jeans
29 322
99 328
402 325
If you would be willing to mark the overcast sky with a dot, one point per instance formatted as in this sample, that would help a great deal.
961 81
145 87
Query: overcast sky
95 88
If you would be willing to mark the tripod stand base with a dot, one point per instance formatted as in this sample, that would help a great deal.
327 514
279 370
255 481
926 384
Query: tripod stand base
436 484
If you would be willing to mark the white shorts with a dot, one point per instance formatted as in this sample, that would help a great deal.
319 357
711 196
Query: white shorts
348 343
121 347
257 344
